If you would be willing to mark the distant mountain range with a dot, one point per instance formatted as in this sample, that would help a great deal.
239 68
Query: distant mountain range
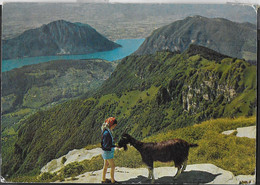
57 38
117 20
224 36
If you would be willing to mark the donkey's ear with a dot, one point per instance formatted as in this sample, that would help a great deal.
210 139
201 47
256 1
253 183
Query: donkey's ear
124 135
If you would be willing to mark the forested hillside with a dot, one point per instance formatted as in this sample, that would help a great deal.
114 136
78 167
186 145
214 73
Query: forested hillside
46 84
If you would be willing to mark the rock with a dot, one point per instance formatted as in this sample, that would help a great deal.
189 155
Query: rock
198 173
249 132
2 180
246 179
228 132
72 156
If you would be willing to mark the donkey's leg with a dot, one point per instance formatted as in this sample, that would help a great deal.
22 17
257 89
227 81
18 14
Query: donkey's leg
153 179
184 165
149 173
150 170
178 172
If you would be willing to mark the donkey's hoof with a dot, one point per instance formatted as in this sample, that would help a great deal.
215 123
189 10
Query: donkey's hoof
176 176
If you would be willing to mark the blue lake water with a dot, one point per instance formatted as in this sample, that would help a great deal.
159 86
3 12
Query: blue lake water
128 47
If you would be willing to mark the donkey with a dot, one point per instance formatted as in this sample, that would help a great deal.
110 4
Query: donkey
176 150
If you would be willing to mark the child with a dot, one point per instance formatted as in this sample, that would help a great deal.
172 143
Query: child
108 147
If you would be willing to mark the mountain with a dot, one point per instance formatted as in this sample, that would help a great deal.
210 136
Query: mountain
57 38
224 36
147 94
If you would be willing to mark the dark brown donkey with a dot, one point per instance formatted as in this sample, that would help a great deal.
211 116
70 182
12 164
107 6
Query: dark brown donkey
176 150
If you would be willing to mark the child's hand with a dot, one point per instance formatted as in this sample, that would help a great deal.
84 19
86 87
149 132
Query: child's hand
117 147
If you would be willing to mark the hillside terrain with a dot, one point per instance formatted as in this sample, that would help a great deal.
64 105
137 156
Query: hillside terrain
46 84
32 88
148 94
56 38
224 36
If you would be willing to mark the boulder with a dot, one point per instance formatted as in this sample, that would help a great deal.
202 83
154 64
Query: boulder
249 132
74 155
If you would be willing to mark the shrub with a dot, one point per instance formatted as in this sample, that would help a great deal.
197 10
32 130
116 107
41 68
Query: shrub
73 169
46 176
63 160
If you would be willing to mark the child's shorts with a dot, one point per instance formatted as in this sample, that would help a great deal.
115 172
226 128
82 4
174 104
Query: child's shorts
108 154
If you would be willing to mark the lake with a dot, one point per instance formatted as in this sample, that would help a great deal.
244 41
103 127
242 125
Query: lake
128 47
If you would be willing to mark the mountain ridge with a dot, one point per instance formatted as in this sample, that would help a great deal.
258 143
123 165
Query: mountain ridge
224 36
57 38
205 52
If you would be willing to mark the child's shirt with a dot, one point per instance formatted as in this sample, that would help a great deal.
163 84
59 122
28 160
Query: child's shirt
107 142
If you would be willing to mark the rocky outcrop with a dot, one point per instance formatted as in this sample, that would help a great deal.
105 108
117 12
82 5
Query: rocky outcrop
74 155
197 173
57 38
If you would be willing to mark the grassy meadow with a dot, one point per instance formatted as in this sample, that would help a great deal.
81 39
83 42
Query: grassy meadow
229 152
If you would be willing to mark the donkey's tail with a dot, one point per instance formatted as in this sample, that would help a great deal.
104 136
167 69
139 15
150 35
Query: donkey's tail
193 145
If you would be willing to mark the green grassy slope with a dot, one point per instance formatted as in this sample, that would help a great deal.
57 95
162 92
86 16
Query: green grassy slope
225 151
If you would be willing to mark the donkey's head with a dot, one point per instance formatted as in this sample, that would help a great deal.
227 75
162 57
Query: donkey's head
125 139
